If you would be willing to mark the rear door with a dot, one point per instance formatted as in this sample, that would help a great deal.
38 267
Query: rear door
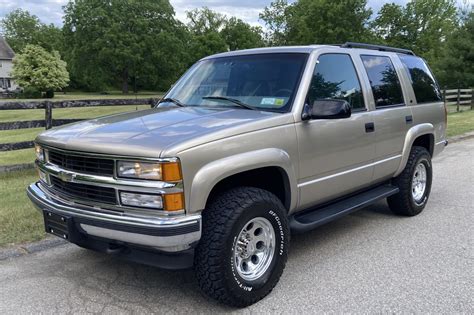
392 117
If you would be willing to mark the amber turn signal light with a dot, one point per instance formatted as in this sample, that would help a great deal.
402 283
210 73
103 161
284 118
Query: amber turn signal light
173 202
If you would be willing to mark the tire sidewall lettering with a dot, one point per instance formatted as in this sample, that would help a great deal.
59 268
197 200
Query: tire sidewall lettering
280 248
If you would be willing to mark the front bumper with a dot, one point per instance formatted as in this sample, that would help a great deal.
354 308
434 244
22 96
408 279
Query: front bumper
165 234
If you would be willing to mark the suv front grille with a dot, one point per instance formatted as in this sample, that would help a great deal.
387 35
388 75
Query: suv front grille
89 165
83 192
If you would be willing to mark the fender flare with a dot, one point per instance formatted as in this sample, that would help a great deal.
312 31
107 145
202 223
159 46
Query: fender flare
212 173
413 133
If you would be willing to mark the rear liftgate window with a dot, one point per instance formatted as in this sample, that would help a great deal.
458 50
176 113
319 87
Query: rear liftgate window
424 84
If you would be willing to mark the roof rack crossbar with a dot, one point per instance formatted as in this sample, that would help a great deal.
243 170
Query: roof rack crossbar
377 47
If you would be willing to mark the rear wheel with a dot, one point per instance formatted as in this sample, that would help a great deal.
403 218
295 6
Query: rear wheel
244 246
414 184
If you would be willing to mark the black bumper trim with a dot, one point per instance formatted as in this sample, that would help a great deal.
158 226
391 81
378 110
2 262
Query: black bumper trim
152 231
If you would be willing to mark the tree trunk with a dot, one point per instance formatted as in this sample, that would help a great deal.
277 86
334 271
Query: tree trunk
125 81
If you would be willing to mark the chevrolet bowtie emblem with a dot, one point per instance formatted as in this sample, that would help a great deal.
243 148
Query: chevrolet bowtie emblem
66 177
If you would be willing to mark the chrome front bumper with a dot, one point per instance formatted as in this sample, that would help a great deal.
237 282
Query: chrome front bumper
169 234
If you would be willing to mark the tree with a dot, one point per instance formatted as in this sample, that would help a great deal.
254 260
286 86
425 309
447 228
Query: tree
123 41
21 28
240 35
275 18
39 69
204 20
212 32
390 25
327 21
456 65
421 25
205 27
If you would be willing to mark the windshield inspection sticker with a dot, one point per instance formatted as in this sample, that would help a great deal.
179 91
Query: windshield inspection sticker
272 101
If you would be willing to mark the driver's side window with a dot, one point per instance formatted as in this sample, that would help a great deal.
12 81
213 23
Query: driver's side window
335 77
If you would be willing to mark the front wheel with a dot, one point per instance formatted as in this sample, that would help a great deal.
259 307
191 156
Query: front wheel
414 184
244 246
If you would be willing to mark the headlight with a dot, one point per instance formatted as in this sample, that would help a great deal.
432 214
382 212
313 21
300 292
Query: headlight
169 171
39 153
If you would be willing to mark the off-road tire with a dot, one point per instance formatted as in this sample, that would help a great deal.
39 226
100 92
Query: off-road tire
403 202
222 221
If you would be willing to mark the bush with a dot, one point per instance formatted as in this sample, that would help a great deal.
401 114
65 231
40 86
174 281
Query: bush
49 94
29 92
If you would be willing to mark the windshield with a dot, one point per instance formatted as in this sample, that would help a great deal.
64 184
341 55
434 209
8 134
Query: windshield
262 81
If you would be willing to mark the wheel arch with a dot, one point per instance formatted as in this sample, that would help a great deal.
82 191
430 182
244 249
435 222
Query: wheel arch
420 135
269 169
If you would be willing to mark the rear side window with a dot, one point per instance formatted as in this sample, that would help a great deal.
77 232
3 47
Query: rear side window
425 86
335 77
383 80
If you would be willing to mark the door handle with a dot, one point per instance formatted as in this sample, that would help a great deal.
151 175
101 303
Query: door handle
409 119
369 127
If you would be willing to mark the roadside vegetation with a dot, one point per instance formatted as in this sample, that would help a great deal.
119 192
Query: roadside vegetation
19 221
459 123
153 48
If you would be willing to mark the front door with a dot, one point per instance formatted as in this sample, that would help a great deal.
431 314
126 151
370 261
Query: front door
336 155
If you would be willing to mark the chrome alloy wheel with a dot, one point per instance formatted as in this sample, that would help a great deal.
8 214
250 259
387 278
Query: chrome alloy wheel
418 182
254 249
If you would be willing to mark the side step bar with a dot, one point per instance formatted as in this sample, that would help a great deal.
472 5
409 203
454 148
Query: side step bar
308 220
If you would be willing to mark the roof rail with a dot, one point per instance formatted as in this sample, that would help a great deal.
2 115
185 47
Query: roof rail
377 47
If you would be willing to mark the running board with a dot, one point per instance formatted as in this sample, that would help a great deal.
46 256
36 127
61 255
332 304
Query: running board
308 220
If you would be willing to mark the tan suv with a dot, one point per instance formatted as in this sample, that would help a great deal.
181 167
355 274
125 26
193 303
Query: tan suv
246 147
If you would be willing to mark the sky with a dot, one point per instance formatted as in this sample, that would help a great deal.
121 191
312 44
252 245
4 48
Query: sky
50 11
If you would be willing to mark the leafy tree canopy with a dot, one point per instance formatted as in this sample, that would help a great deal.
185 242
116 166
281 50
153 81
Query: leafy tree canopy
213 32
21 28
456 65
275 17
114 39
39 69
240 35
421 25
316 22
120 42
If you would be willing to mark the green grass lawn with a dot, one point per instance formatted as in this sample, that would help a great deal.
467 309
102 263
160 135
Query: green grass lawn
459 123
91 96
19 221
66 113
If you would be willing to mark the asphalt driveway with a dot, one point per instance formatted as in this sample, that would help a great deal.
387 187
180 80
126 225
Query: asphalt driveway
371 261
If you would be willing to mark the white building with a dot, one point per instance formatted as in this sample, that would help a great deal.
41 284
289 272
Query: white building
6 65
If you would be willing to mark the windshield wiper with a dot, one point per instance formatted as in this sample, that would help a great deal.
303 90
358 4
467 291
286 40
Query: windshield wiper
230 99
171 100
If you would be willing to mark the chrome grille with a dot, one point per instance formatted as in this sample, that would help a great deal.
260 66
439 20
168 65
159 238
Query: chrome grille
83 192
83 164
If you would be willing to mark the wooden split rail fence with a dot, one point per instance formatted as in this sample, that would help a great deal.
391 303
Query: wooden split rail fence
458 98
455 97
48 121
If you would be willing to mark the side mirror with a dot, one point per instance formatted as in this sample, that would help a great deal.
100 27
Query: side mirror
330 109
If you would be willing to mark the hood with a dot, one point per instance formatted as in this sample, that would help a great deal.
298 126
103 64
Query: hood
148 133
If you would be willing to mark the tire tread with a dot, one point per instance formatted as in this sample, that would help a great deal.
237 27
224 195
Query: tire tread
217 222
